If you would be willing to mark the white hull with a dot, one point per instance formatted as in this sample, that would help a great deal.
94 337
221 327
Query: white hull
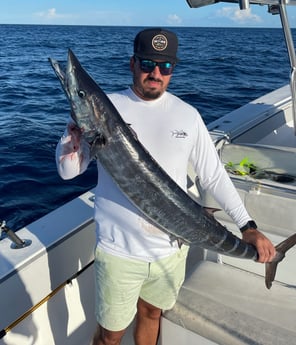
66 318
62 245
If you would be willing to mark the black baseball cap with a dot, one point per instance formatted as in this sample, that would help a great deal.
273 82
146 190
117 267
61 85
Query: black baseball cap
156 43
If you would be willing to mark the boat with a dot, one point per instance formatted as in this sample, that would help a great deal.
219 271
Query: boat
46 270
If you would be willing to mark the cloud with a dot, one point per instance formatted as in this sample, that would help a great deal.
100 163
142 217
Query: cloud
51 14
239 16
174 19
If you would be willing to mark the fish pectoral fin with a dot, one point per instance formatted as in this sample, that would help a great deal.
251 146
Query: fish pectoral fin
271 267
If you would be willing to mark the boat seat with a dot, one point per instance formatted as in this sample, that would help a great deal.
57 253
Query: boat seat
227 306
278 160
272 208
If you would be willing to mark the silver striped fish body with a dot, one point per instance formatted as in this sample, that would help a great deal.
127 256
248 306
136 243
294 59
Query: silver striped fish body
137 174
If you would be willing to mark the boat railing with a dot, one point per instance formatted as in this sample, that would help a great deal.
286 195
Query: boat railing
274 7
201 3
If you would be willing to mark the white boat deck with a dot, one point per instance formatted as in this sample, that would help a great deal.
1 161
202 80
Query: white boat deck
228 306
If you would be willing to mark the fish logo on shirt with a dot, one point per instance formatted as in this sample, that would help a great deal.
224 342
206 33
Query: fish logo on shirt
179 134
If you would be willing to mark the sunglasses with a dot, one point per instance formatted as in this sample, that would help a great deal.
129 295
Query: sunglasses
147 66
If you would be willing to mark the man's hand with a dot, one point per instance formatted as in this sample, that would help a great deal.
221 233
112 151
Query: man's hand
263 245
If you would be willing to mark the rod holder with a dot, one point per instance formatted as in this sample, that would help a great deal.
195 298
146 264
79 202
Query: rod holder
17 243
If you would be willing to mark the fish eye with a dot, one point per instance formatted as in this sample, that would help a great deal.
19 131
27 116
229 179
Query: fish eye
81 93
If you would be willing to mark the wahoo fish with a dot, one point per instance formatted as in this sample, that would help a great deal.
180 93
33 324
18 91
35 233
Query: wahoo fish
140 177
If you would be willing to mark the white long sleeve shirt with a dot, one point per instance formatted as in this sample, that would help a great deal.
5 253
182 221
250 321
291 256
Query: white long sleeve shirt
174 134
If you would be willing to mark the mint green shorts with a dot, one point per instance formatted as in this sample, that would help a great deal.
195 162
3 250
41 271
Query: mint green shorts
121 281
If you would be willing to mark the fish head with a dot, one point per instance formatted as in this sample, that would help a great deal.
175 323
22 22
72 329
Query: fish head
87 109
91 109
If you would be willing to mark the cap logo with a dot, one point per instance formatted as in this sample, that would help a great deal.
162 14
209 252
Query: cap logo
159 42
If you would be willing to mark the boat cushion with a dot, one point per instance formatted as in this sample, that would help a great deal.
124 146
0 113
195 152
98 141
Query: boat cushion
230 307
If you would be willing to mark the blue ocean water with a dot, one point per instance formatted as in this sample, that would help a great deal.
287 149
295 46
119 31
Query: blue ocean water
220 69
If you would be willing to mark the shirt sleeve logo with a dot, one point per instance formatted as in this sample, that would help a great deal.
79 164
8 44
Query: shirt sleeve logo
179 134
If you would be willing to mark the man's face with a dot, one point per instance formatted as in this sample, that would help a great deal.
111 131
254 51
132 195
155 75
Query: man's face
148 85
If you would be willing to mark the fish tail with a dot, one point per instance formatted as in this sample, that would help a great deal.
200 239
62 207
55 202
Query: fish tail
271 267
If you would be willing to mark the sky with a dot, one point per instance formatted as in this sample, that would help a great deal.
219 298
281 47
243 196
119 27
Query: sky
136 13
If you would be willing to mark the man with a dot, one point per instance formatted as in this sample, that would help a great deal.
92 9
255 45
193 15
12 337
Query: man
139 269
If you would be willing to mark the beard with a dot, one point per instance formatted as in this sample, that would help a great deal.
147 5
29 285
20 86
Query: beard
146 92
151 94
